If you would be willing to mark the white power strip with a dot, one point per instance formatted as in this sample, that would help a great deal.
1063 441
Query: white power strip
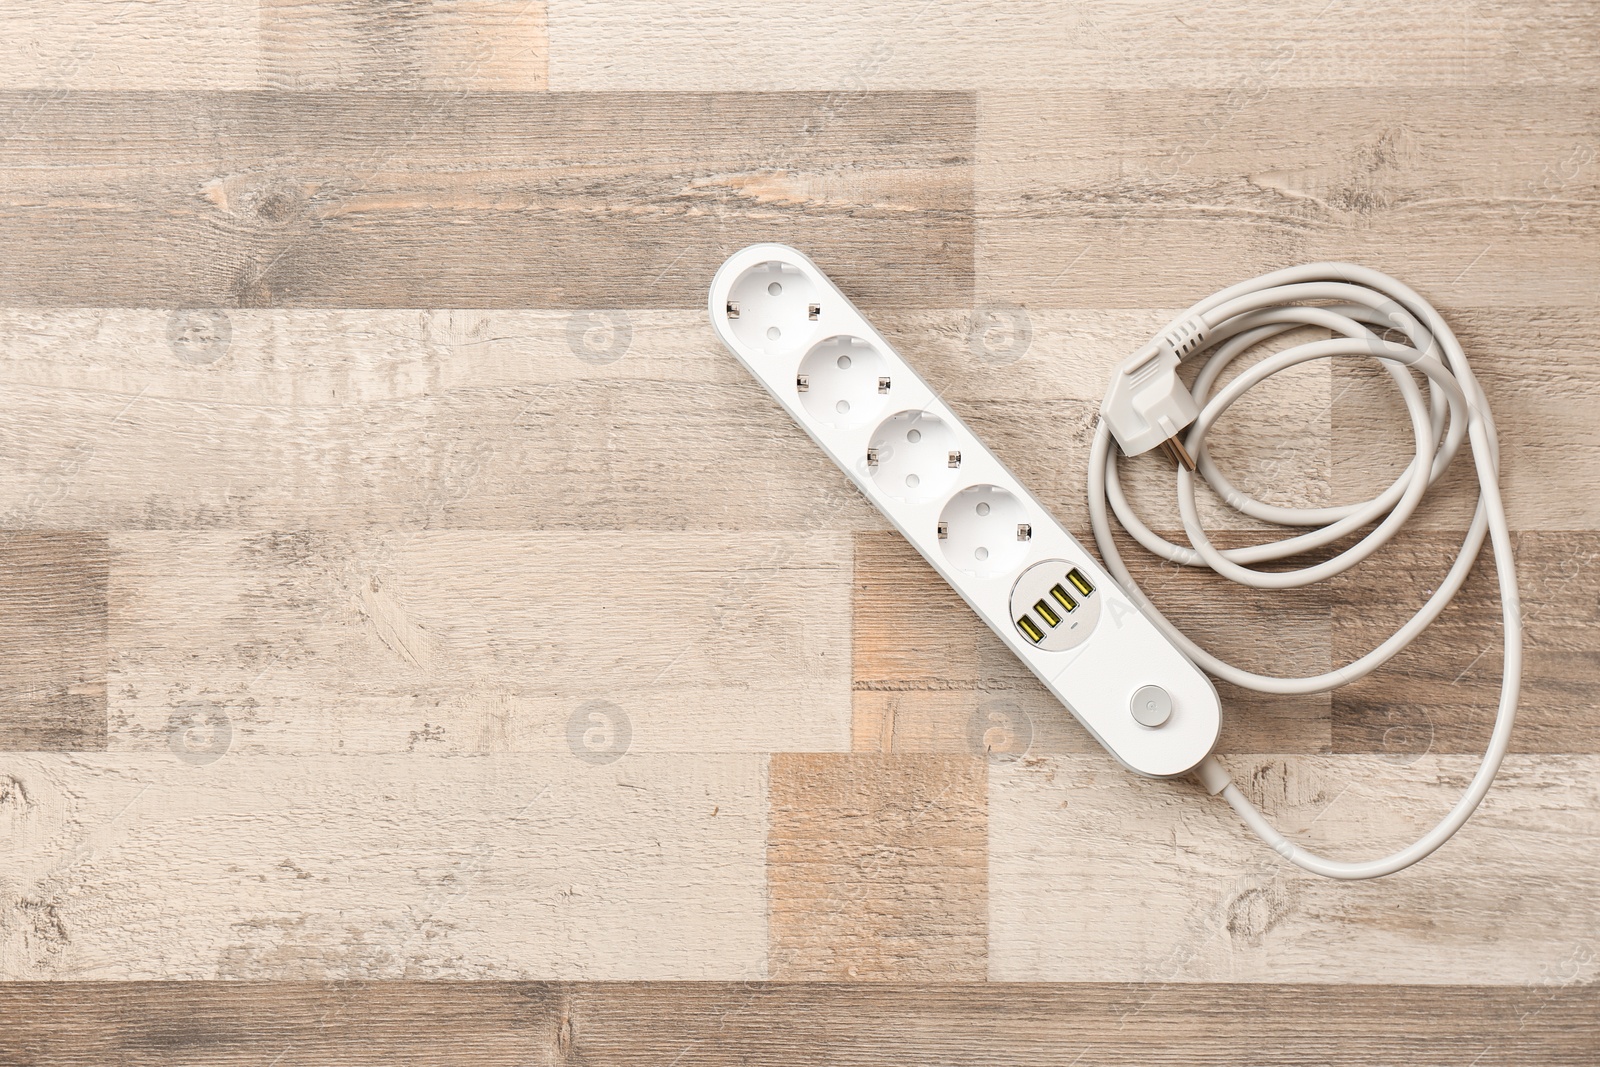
1039 589
1129 675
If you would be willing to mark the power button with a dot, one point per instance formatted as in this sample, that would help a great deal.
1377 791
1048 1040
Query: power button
1151 706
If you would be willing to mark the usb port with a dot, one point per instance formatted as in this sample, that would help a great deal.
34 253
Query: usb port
1079 582
1063 598
1046 614
1031 628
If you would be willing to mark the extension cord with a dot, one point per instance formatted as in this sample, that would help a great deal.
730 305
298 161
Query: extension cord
1098 644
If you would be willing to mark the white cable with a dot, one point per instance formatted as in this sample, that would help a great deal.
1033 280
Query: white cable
1148 405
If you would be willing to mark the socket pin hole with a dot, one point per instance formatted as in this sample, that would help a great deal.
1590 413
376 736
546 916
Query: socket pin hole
842 406
774 288
912 481
773 333
913 436
982 553
983 509
843 363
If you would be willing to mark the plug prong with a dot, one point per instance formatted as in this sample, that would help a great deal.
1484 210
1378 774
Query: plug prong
1174 448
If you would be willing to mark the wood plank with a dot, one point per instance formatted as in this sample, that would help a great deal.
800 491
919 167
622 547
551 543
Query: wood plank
1097 875
1440 694
544 419
512 420
52 635
455 642
931 677
362 1023
1107 198
152 44
1023 44
470 46
571 200
336 867
876 867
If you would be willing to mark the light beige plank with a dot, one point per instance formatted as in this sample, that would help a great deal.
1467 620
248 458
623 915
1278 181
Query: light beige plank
1022 44
472 642
1155 197
458 46
126 44
334 419
138 866
876 867
1097 875
546 419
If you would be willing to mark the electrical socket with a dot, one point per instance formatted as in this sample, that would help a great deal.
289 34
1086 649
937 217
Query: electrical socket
969 516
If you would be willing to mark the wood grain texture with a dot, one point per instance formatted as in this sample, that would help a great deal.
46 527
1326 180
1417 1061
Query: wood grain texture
1538 369
466 46
875 867
135 866
1440 694
504 418
1097 875
151 44
52 639
309 419
311 642
468 613
1089 197
1023 44
571 200
367 1024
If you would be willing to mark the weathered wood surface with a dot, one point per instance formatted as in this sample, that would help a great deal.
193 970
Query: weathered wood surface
399 582
53 640
312 643
1095 875
776 1025
568 200
199 864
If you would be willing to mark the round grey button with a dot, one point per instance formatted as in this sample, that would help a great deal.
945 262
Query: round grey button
1151 706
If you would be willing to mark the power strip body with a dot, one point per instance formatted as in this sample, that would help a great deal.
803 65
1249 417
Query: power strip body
969 516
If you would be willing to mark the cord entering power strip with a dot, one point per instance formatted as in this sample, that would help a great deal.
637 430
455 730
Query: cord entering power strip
1089 634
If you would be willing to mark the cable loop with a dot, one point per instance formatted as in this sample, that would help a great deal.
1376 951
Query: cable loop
1370 316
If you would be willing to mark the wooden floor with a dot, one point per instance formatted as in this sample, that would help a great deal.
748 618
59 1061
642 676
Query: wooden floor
420 642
